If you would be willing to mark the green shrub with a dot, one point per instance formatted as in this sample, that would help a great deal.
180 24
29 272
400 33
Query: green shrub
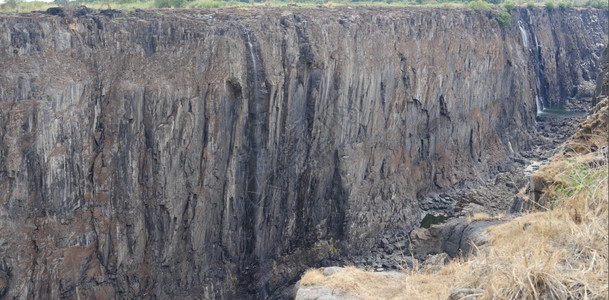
177 3
550 5
479 5
598 4
12 4
579 177
505 19
530 4
509 6
161 3
209 4
168 3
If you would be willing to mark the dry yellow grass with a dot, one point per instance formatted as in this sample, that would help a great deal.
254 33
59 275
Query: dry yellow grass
557 254
368 285
481 216
312 277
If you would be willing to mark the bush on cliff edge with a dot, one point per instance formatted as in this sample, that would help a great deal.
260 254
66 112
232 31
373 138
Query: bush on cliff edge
504 19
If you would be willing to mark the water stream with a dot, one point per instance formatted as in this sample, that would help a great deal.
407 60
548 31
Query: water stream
258 166
523 33
257 127
560 112
536 58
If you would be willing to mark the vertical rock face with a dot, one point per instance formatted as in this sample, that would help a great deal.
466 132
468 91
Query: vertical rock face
564 69
213 153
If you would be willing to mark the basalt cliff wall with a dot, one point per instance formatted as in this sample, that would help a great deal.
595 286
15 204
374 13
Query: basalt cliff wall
216 154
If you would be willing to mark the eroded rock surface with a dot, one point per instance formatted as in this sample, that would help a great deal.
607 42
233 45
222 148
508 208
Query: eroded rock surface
216 153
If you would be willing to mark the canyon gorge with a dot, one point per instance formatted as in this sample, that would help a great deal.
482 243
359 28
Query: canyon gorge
220 153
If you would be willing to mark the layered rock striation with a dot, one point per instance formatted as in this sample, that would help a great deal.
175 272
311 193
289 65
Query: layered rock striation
218 153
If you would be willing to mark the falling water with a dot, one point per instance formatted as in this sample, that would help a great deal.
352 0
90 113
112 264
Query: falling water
258 177
523 33
539 105
254 64
536 59
257 113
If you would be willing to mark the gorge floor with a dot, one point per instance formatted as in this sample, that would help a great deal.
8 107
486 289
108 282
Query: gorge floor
495 200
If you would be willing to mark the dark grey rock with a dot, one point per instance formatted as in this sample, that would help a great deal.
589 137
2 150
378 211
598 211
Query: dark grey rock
221 153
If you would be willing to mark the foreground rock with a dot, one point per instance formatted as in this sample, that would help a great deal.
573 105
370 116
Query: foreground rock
337 283
217 154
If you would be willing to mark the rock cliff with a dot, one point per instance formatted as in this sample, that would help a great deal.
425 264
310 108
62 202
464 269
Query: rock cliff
218 153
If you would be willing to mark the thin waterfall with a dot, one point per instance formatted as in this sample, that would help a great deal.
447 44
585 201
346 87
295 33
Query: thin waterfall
523 33
254 66
536 60
257 180
257 114
539 105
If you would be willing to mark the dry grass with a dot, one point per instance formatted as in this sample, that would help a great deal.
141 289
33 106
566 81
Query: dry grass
368 285
556 254
312 277
481 217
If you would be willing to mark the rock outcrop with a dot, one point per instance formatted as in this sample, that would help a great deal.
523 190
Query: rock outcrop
219 153
587 146
602 80
457 237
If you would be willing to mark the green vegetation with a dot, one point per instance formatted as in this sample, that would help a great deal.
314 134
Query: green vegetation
504 19
509 6
429 220
479 5
167 3
577 178
483 5
12 4
597 4
333 247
